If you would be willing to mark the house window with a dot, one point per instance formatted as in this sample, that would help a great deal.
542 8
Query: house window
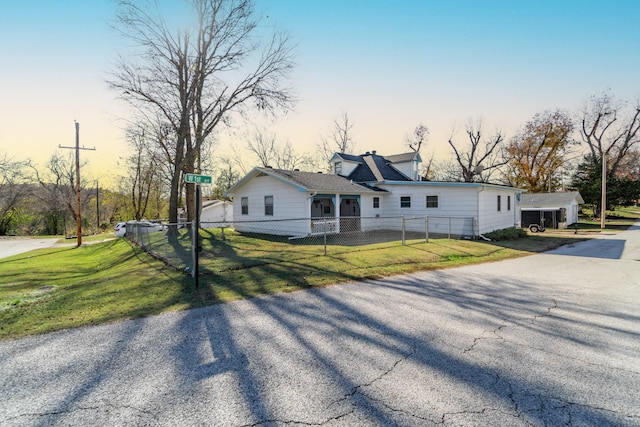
508 203
405 201
414 170
432 201
499 203
337 168
244 202
376 202
268 205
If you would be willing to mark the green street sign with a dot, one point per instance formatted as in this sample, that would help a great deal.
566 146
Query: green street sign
197 179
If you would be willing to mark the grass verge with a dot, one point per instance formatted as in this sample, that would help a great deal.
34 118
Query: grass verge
66 287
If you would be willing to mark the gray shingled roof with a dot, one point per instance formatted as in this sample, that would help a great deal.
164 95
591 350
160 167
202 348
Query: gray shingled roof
373 168
548 199
401 158
320 182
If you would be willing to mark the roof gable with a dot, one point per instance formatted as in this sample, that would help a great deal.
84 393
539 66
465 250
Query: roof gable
306 181
375 168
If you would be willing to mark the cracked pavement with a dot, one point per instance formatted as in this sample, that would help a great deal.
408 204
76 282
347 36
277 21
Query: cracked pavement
546 340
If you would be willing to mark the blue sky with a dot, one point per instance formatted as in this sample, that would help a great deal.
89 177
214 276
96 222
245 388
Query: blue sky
389 64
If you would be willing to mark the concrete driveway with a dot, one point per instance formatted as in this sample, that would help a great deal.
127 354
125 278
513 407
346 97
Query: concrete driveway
550 339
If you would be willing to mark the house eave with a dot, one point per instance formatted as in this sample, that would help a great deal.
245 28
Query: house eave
452 184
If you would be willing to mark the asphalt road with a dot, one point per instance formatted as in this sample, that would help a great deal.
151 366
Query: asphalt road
550 339
15 245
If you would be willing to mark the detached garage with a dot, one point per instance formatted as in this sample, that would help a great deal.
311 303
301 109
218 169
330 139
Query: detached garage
550 210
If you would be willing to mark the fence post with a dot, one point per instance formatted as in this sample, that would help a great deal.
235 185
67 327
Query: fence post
402 222
324 234
449 228
426 229
164 243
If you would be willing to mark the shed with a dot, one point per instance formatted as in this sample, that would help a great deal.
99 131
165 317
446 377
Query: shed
558 210
216 211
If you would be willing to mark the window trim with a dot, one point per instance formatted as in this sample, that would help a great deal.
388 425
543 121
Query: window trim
337 168
401 202
508 202
268 207
244 206
426 201
376 202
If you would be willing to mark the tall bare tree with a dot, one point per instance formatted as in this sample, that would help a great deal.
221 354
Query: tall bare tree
143 182
539 151
195 79
481 156
609 128
340 138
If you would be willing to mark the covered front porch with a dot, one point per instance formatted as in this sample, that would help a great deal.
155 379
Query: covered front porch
325 218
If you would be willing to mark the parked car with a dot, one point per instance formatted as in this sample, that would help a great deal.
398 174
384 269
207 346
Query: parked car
120 230
149 226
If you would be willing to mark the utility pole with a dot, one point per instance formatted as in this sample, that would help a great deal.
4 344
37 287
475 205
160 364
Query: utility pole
78 204
603 201
97 206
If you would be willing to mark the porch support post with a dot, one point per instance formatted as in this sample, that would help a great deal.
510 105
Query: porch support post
338 202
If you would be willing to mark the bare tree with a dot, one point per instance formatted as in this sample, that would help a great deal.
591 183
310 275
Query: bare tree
143 183
13 189
58 198
539 151
227 176
340 138
196 79
481 156
419 136
271 153
288 158
263 146
609 129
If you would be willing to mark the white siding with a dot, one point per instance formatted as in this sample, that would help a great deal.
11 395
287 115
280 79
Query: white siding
218 212
490 219
404 167
453 202
572 213
347 167
288 202
366 205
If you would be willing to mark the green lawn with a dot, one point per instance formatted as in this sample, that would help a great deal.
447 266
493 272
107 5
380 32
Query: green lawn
65 287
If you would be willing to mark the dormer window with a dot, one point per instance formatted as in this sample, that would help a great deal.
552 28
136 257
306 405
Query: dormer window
414 169
337 168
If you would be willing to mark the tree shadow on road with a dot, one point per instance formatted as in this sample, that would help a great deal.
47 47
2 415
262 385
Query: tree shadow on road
381 357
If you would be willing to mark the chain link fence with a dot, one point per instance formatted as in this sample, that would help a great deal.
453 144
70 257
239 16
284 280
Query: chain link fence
238 244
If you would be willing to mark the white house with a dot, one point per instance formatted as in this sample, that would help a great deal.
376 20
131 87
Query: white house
559 210
368 192
216 211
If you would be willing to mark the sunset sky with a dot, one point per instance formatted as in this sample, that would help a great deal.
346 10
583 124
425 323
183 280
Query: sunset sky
389 64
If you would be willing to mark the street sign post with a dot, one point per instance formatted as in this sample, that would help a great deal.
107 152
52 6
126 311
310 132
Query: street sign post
193 178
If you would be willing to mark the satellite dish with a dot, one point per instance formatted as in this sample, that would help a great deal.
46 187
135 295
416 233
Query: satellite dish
478 169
